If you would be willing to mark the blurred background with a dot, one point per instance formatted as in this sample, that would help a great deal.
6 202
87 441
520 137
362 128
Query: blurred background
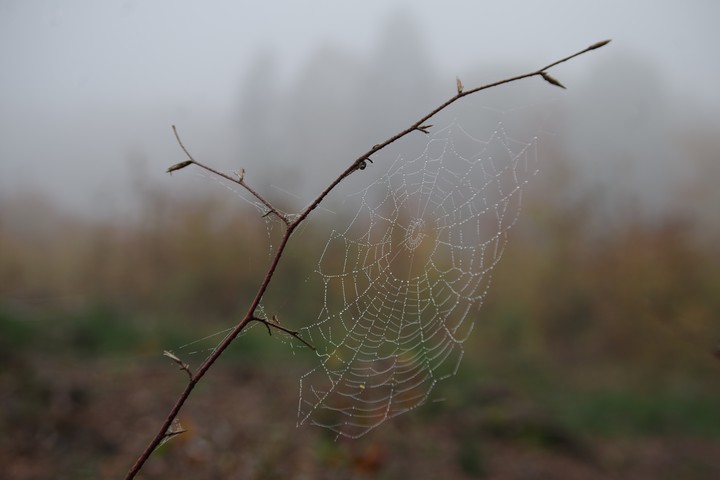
596 355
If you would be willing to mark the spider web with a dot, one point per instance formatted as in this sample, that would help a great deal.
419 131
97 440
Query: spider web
207 345
402 283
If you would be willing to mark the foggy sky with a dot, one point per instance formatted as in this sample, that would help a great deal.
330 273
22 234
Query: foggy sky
88 90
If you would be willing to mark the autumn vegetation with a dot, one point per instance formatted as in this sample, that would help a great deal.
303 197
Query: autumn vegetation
596 351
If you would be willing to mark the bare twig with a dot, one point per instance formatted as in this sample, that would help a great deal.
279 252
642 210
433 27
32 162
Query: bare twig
275 323
359 164
240 180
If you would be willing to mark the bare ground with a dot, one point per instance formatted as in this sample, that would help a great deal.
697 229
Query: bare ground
75 419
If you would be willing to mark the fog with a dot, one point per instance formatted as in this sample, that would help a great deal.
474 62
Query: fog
292 92
595 350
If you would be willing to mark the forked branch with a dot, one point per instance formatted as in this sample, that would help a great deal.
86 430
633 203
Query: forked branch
275 323
360 163
239 178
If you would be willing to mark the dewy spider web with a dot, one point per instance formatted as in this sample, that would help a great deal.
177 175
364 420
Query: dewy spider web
403 281
205 346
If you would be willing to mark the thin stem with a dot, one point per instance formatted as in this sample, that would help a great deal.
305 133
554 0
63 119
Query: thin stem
358 164
420 125
292 333
160 435
240 180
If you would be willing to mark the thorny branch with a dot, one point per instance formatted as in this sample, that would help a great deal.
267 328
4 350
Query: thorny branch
360 163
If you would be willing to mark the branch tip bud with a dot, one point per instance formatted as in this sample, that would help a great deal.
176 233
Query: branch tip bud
598 44
179 166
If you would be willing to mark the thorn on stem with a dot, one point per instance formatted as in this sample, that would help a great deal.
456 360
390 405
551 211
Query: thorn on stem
267 325
424 128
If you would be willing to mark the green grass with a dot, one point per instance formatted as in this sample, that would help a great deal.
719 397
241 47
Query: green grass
101 331
625 409
630 413
15 331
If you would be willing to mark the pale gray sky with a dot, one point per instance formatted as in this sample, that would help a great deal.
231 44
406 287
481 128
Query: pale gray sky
84 50
84 84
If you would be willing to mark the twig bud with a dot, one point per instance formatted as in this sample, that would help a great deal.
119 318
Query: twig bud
552 80
179 166
363 163
598 44
459 85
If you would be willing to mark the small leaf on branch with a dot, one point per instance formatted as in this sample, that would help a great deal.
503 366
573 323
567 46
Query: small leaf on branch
459 85
598 45
179 166
173 430
552 80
